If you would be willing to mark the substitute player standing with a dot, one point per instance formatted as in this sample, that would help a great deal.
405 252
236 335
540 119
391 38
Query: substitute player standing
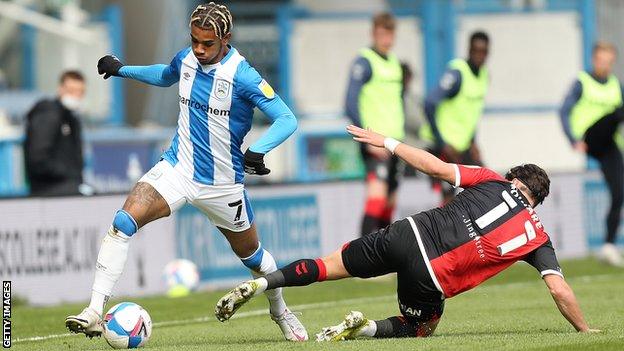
454 108
590 116
204 166
436 254
374 100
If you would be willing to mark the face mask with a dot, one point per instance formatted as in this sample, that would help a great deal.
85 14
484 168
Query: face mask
71 103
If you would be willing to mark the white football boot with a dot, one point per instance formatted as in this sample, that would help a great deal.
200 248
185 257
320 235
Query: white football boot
610 254
87 322
349 329
291 327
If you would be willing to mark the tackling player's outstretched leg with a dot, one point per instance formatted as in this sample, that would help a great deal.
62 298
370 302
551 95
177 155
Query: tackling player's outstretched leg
307 271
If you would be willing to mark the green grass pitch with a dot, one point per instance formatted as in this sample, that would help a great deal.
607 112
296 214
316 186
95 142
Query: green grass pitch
513 311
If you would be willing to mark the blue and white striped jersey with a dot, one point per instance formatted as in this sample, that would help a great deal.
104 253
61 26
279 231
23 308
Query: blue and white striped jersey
216 111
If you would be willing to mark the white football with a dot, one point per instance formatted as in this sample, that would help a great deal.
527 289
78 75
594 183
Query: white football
127 326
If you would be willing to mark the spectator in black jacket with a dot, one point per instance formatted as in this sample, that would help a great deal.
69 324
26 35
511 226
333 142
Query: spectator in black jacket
53 143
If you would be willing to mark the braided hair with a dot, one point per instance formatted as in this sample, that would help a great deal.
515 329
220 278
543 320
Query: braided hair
213 16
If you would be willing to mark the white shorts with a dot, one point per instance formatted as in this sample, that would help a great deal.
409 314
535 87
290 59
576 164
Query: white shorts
227 206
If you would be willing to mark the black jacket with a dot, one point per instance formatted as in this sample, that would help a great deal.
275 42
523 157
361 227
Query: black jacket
53 149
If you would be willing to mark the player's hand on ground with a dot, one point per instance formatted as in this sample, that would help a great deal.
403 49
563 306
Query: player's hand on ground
592 331
254 163
580 146
366 136
109 65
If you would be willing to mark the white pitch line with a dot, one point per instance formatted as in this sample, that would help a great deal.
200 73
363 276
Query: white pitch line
261 312
310 306
247 314
40 338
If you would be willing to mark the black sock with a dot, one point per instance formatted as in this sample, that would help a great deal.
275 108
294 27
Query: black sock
399 327
299 273
612 166
370 224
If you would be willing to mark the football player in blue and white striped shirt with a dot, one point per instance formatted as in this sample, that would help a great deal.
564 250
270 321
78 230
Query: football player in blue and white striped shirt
218 90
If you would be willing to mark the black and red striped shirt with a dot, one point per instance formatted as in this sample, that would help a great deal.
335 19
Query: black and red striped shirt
482 231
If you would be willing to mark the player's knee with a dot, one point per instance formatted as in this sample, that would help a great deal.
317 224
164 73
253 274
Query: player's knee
376 187
124 222
428 328
255 259
331 267
417 328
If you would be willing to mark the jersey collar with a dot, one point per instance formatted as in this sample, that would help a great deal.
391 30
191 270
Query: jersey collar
207 68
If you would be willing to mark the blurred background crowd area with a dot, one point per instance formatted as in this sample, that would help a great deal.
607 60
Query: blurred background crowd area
304 49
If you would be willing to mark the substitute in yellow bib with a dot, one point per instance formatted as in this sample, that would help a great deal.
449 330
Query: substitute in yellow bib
590 116
454 108
374 100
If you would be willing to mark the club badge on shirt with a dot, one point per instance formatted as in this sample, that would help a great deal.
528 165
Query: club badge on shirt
266 89
222 89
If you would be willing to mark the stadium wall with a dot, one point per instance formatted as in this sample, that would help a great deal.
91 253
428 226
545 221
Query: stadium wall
48 249
321 72
47 241
507 140
530 64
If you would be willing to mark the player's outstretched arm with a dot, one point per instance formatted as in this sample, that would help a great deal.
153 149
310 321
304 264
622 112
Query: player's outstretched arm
159 74
566 302
417 158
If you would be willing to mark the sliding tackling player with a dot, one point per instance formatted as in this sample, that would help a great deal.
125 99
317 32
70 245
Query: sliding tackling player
436 254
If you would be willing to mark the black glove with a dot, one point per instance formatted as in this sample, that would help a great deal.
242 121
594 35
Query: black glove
109 65
254 163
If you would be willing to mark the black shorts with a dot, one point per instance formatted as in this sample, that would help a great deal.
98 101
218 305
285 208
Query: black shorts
389 171
395 249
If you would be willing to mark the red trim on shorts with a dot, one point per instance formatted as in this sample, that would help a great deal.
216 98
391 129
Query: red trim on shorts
322 270
345 246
